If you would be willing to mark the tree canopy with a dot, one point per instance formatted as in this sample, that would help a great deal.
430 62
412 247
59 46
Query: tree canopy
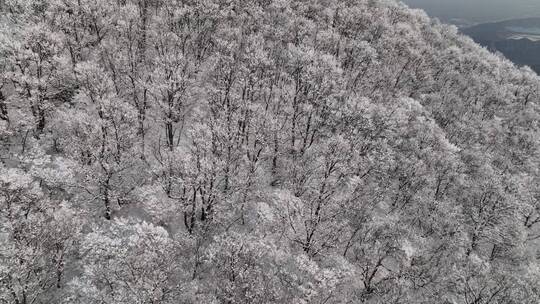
263 151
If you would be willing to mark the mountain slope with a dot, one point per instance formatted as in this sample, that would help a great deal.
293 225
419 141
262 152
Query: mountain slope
321 151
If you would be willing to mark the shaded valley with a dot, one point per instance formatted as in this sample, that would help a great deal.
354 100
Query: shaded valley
518 40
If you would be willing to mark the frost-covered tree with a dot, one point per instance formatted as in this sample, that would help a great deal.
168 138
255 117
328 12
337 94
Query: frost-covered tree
319 151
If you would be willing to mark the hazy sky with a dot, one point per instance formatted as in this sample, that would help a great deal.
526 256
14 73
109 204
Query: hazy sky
478 10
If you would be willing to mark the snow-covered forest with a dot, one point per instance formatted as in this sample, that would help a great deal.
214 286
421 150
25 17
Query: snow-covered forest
262 151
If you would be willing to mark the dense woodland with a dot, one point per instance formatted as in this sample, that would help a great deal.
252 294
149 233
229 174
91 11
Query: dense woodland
262 151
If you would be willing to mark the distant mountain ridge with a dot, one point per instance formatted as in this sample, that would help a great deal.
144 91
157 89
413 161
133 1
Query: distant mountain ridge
517 39
477 11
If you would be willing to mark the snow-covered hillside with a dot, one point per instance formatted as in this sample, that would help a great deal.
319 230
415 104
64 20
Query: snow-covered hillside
264 151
